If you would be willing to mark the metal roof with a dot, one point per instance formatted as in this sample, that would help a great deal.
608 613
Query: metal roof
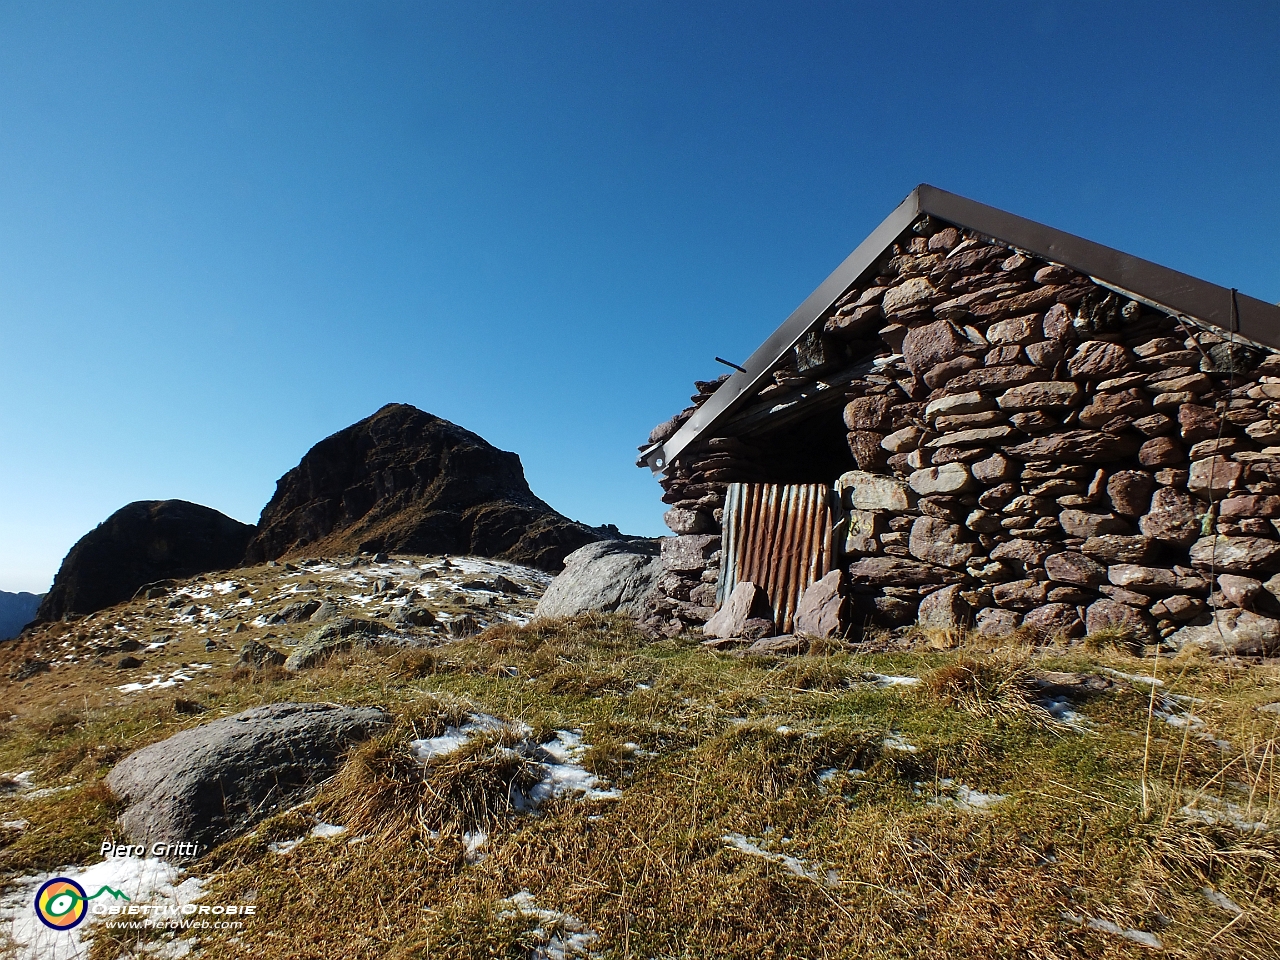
1174 292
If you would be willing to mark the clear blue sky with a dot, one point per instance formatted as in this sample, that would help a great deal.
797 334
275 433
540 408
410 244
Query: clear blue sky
229 229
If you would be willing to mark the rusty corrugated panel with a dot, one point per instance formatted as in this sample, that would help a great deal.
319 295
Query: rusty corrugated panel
731 526
779 537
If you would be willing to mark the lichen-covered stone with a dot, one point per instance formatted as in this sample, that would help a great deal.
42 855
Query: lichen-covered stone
1074 568
949 478
938 542
871 491
1235 554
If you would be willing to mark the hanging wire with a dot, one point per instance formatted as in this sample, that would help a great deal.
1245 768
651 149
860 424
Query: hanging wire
1232 330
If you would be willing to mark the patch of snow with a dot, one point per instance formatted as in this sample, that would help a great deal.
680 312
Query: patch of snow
156 682
563 934
323 831
793 864
1211 810
1221 900
887 680
47 792
1168 709
963 797
225 586
454 738
567 775
825 776
895 741
1106 926
1062 710
1132 677
560 758
14 825
142 880
472 841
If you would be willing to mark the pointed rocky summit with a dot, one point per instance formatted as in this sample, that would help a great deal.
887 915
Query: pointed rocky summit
405 481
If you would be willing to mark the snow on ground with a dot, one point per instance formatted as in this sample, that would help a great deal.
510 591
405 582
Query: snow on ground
794 865
1132 677
472 841
563 934
953 794
1221 901
146 880
1212 810
322 831
560 759
883 680
159 681
1106 926
566 774
455 738
1170 709
827 776
1063 710
393 583
895 741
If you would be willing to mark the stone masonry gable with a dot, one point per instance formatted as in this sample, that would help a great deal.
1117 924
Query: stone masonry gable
1062 457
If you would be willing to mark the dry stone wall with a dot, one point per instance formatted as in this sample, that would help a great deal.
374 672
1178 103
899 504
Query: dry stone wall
1030 450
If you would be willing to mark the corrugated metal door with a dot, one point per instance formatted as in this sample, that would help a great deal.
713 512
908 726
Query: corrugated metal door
779 537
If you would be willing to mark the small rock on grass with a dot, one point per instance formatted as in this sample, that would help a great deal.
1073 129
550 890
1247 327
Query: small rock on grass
258 655
780 645
1232 631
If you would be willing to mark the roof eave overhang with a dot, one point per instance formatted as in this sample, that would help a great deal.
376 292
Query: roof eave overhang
1175 292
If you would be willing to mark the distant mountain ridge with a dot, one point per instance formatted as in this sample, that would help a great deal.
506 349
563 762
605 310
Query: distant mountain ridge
16 611
400 480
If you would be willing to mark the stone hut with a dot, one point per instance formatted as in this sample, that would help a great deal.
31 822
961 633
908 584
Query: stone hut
980 420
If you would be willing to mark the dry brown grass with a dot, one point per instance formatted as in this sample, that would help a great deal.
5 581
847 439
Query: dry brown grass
386 792
759 747
998 686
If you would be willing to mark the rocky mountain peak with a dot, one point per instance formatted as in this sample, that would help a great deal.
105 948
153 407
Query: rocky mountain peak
404 480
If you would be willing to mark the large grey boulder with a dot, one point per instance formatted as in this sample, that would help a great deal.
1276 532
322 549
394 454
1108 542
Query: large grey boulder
611 576
213 781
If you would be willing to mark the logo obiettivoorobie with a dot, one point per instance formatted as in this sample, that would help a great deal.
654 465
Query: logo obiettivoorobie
61 903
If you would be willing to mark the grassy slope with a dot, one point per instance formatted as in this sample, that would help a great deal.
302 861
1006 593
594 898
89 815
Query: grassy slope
728 745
